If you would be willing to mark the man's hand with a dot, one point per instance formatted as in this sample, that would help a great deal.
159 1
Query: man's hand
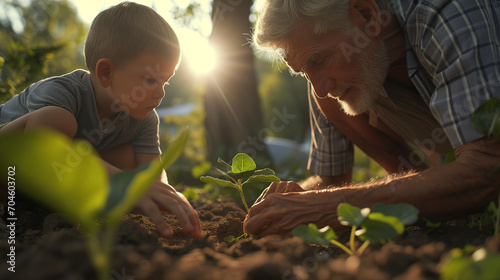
163 197
280 213
279 187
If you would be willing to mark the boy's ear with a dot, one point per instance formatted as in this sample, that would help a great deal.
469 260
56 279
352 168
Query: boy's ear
104 71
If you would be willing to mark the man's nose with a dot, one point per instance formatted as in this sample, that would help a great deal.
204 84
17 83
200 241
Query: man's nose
322 84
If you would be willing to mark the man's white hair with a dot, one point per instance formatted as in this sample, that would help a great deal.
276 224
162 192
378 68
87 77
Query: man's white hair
279 18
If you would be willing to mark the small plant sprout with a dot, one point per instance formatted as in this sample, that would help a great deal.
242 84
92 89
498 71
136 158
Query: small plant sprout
68 177
469 263
378 225
240 172
486 120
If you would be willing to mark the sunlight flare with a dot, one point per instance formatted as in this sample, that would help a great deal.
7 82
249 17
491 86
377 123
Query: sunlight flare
200 55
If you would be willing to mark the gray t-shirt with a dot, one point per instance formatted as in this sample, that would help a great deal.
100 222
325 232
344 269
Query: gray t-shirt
74 92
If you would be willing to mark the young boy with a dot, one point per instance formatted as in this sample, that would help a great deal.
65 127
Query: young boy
131 52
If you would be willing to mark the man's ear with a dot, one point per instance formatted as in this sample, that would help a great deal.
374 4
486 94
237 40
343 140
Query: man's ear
365 15
104 71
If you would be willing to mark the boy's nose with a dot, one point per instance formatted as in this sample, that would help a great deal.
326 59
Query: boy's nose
159 93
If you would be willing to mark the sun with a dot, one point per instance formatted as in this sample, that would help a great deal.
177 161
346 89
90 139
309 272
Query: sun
200 55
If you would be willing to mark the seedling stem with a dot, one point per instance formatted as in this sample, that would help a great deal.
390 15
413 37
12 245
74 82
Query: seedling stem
497 224
240 189
242 168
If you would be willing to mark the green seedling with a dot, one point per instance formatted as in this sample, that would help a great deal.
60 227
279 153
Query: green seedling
462 265
232 239
378 225
68 177
487 220
486 120
431 227
240 172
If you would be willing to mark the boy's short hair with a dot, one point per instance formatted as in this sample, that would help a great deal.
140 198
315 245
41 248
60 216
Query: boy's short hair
123 32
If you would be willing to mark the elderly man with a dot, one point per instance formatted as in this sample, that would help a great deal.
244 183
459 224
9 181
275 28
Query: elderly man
399 79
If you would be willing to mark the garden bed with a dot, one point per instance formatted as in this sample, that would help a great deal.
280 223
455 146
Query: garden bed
48 247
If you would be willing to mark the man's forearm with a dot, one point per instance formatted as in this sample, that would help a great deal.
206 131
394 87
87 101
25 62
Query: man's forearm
317 182
464 186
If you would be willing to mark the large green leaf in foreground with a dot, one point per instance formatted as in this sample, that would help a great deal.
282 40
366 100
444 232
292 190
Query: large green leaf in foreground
64 175
127 187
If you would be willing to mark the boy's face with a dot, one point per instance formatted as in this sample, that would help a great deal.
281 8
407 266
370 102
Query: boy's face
137 87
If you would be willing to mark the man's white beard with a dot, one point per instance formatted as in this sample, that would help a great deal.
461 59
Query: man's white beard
375 63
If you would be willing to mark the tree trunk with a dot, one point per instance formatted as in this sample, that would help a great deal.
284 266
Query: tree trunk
233 112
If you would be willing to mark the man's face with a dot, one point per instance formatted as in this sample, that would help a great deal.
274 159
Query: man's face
336 67
138 86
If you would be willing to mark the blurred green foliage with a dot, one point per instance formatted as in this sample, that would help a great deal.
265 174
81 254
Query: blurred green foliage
282 92
365 168
38 39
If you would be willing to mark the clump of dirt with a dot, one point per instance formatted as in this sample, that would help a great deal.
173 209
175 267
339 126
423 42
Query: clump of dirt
48 247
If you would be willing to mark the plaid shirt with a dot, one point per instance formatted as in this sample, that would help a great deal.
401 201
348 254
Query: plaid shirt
453 59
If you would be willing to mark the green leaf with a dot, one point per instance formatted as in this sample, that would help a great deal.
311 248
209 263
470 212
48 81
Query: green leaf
175 148
486 118
488 268
242 163
217 181
262 179
230 239
351 215
265 171
450 157
457 267
481 266
201 169
241 175
119 184
311 234
129 186
219 160
65 176
191 194
406 213
380 228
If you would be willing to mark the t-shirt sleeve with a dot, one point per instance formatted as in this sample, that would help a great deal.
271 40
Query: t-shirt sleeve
54 92
147 140
458 45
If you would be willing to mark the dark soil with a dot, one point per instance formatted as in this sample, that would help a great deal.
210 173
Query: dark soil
47 247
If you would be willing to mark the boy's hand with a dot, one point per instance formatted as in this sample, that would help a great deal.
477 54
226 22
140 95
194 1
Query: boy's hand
161 196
